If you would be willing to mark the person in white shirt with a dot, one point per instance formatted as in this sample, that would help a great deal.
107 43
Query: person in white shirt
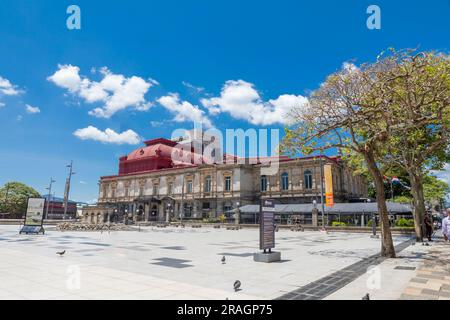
446 226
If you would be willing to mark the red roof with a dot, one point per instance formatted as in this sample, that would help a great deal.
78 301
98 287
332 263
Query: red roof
163 154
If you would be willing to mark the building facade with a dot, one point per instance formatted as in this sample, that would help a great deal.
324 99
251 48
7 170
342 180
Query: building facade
152 186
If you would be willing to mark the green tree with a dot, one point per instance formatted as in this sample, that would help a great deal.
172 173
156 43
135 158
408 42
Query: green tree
417 88
435 190
344 113
14 197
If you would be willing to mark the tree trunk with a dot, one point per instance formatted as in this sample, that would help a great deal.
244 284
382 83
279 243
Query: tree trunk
418 203
387 245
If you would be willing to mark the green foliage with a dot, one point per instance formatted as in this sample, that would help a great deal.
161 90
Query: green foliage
435 190
338 224
211 220
403 199
404 223
222 218
14 197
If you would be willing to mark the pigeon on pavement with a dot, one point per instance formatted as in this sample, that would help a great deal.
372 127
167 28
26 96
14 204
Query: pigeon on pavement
237 286
61 253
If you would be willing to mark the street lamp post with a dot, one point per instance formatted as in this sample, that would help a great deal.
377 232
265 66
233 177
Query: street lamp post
6 197
49 196
67 190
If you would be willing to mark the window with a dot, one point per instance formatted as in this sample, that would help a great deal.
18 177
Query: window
170 188
263 183
105 191
207 187
285 181
141 191
155 190
189 187
308 179
227 183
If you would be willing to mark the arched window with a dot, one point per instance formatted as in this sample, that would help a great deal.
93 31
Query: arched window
308 179
207 187
263 183
285 181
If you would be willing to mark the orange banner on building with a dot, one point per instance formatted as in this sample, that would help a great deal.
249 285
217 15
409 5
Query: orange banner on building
329 196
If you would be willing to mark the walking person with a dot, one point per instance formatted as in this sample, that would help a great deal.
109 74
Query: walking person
428 222
446 226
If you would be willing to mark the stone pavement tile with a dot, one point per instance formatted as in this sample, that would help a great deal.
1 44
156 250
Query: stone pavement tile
412 291
410 297
430 292
417 285
434 285
419 280
430 276
445 287
444 294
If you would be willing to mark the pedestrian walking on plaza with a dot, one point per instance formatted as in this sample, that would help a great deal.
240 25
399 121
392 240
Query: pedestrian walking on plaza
446 226
428 222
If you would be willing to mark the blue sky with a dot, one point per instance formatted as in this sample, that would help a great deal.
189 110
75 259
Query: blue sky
145 68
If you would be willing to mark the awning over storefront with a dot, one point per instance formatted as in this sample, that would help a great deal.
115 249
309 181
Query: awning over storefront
338 208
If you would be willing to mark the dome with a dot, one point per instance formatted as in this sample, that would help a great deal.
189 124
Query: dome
156 150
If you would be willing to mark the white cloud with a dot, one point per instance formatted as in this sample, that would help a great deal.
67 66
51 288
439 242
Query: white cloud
157 124
115 91
19 118
32 110
183 110
192 87
7 88
2 104
242 101
108 136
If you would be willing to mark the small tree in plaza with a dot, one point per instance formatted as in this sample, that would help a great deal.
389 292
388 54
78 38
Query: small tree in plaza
13 198
344 113
417 87
394 112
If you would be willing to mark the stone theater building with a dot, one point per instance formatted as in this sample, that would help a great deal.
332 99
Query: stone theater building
151 186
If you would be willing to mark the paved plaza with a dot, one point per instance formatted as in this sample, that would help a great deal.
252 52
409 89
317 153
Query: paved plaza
431 281
170 263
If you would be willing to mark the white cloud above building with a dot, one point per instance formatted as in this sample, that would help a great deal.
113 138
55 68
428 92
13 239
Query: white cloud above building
242 101
115 91
184 110
108 136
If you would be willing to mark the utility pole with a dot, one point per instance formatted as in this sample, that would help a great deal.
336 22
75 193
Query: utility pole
67 189
53 197
49 196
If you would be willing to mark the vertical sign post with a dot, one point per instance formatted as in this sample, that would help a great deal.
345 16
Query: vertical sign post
267 225
34 218
267 233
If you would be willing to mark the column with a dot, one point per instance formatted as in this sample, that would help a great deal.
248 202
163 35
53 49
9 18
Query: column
315 217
